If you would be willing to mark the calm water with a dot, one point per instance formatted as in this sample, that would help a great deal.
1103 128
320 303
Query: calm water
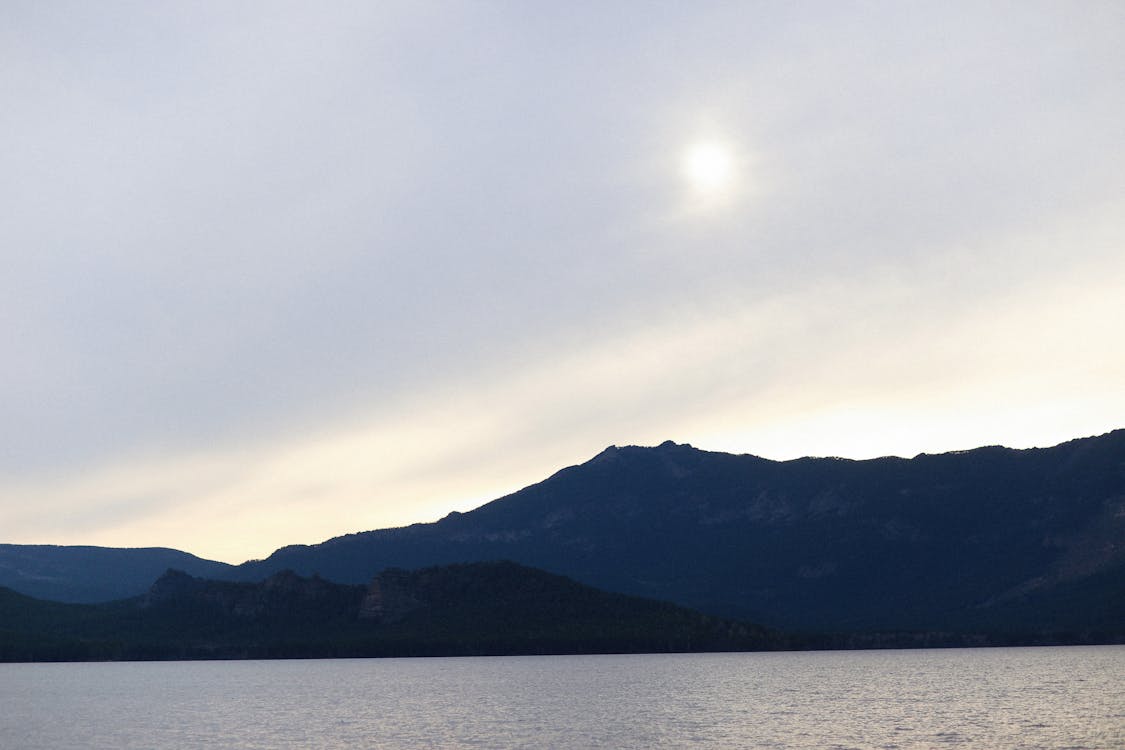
981 698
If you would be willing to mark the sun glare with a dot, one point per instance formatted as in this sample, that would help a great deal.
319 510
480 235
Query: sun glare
708 167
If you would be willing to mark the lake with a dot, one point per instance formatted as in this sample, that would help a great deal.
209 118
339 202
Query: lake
1069 697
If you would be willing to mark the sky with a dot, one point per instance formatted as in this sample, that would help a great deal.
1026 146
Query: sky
272 272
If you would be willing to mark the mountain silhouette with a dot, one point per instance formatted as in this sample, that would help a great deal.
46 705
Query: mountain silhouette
991 538
986 540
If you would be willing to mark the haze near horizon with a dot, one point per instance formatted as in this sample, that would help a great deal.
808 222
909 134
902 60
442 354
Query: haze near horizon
277 272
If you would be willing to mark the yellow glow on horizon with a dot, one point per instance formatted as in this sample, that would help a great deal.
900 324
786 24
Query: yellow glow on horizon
824 370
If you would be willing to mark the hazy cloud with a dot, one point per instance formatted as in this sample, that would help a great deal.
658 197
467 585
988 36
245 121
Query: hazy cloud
359 264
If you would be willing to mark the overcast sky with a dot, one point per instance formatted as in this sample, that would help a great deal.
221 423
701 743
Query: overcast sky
274 272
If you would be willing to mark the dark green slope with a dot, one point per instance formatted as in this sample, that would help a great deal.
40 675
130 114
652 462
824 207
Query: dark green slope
482 608
938 542
498 608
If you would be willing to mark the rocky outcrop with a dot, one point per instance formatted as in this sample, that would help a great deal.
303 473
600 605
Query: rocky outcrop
388 598
284 594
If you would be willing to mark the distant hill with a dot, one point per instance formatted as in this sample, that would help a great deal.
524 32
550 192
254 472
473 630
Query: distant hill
482 608
1020 542
94 574
993 538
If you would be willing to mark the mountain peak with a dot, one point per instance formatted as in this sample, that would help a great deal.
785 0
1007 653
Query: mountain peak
667 445
174 583
611 453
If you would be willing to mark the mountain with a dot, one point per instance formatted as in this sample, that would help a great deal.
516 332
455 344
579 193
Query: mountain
1017 541
480 608
94 574
991 540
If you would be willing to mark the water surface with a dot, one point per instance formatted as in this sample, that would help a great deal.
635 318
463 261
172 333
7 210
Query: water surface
1049 698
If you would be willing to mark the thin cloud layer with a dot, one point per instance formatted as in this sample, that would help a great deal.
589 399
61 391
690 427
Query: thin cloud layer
315 270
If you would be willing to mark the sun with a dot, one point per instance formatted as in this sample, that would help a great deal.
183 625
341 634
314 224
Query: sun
709 168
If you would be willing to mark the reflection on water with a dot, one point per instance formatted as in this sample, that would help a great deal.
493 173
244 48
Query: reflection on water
989 698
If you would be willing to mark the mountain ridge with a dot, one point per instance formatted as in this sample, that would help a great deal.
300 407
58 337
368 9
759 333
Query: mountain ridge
89 574
987 537
792 510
